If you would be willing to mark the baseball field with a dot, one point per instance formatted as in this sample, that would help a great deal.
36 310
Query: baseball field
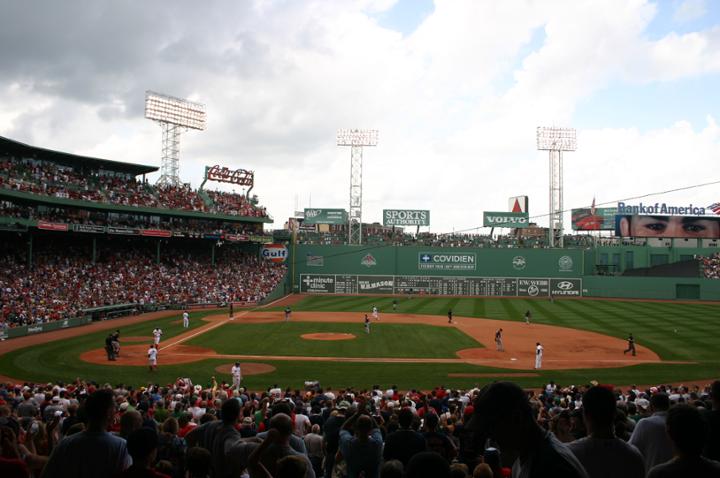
413 346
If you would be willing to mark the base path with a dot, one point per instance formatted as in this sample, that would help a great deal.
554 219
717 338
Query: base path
564 348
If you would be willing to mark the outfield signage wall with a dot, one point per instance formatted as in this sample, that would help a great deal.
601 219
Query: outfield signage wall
439 285
661 209
406 217
46 327
325 216
505 219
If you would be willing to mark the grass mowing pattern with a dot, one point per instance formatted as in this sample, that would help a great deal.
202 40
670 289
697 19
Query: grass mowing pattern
653 324
384 340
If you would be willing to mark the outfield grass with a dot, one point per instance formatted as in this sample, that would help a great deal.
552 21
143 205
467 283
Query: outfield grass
384 340
653 324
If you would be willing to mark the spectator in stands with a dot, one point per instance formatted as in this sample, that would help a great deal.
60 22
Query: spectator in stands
601 452
404 443
362 451
142 445
503 414
712 447
649 436
687 431
93 452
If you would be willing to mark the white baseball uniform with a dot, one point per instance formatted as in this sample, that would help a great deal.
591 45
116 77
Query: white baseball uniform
152 356
236 376
186 320
157 333
538 356
375 313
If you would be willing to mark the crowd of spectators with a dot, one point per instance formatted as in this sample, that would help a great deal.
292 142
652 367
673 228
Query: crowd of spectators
64 215
50 179
185 430
60 285
710 266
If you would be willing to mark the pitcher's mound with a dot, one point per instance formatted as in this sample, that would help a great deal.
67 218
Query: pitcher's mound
246 368
327 336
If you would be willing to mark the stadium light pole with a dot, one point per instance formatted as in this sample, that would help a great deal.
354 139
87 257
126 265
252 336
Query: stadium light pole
175 115
356 139
555 141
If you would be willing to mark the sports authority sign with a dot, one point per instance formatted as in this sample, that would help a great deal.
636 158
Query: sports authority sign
505 219
325 216
461 261
406 217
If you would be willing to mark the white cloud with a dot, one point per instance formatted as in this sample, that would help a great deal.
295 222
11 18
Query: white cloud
689 10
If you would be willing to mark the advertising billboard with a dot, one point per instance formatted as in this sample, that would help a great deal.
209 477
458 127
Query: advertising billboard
505 219
603 220
325 216
406 217
706 227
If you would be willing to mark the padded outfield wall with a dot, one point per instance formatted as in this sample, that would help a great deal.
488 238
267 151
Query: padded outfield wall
481 271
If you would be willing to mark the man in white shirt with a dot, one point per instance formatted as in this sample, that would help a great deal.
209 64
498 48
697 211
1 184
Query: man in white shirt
186 320
157 333
601 452
236 375
649 435
152 357
538 355
375 313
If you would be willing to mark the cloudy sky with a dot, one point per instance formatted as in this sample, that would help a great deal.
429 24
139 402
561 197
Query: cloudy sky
456 88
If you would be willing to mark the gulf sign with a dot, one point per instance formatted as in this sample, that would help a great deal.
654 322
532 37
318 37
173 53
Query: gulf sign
276 253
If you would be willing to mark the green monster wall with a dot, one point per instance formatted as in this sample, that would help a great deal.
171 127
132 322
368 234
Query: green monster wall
488 271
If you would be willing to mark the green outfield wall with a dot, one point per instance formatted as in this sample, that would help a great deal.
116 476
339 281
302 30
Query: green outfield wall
503 272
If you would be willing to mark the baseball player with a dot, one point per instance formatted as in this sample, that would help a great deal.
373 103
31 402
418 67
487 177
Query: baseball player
367 324
231 311
498 341
631 345
375 313
528 316
152 357
236 375
538 355
394 305
450 316
186 320
288 311
157 333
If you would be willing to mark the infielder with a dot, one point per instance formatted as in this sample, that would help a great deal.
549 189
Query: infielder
498 341
152 358
367 324
450 316
631 345
528 316
236 375
157 333
287 313
186 320
538 355
375 313
231 311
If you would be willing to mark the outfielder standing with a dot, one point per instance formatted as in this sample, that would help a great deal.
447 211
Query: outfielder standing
498 341
394 305
157 333
631 345
287 313
450 316
236 375
528 316
538 355
186 320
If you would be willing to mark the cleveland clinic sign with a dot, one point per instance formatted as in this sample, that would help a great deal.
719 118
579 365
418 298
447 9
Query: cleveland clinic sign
406 217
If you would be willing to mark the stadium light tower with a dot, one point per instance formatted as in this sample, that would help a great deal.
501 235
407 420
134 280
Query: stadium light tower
556 140
175 116
356 139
